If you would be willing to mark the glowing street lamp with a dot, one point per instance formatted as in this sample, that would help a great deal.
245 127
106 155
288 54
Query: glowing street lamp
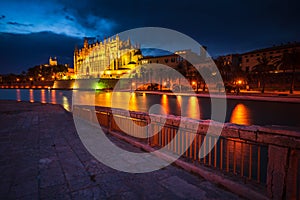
42 78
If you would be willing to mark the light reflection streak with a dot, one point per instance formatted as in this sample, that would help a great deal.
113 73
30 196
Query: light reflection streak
65 103
193 108
240 115
31 96
53 96
43 96
18 95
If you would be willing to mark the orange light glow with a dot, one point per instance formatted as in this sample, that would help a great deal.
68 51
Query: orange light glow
43 96
240 115
31 96
53 96
193 108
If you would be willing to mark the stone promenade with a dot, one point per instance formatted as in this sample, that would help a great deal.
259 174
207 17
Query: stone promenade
42 157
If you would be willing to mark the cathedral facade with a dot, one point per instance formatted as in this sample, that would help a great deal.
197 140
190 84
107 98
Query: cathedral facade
110 58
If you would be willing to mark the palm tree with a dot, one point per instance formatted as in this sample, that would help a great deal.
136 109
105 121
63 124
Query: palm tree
225 68
262 69
290 61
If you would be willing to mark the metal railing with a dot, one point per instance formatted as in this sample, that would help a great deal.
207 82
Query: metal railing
261 156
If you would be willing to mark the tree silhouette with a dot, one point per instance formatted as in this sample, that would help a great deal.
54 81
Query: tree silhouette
262 69
290 61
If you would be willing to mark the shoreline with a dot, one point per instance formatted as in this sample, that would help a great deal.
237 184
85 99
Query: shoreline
244 95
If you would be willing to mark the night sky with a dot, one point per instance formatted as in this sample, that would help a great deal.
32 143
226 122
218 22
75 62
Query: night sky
31 31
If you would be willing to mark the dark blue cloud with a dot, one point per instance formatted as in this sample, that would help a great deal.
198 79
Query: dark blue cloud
18 24
230 26
21 51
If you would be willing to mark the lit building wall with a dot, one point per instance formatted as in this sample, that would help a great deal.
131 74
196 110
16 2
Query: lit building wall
110 58
250 59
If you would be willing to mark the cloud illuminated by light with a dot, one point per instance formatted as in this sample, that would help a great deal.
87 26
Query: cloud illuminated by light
31 17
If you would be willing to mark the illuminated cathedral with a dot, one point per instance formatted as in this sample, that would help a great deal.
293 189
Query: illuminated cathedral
110 58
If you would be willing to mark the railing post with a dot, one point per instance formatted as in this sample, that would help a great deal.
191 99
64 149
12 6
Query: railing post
292 184
148 129
277 171
109 122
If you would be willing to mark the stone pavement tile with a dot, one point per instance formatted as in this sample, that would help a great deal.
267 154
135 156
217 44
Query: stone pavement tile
25 174
148 188
44 148
82 183
51 176
73 168
89 193
182 188
25 188
60 191
93 167
5 188
114 188
125 196
29 197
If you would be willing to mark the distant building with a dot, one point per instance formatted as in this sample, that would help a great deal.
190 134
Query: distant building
110 58
232 59
250 59
52 61
180 57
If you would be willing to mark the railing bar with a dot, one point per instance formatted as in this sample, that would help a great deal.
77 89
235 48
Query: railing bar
215 153
227 156
209 154
221 153
234 157
242 159
163 136
186 149
199 145
182 142
168 138
258 163
250 161
195 147
204 149
191 144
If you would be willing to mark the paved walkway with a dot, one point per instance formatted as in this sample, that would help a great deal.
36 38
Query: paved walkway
41 157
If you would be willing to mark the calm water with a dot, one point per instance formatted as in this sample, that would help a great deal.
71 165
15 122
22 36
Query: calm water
238 111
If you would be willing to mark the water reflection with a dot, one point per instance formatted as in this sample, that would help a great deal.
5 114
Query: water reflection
18 95
43 96
66 104
240 115
239 111
165 104
31 96
193 108
53 96
133 102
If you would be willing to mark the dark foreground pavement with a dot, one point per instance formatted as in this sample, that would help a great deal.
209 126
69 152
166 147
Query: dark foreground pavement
42 157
